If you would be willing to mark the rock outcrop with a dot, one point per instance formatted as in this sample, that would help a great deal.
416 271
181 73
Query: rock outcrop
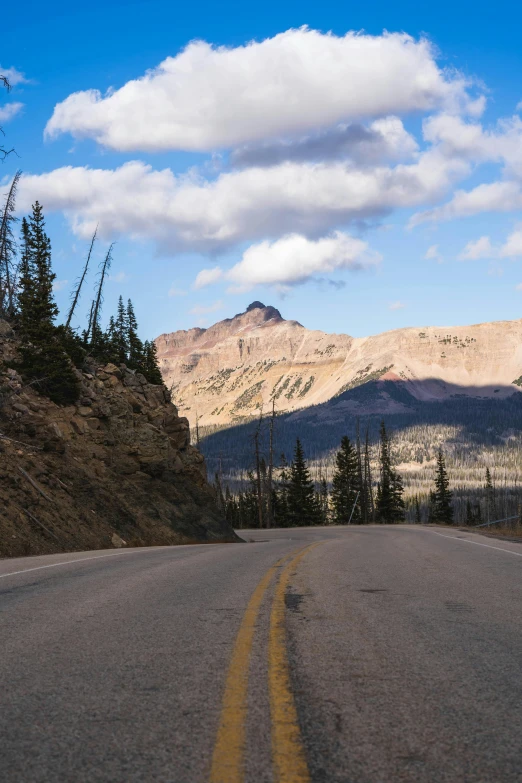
116 469
226 373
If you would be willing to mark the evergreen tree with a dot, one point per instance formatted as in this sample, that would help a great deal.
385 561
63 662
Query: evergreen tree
43 359
121 337
136 357
390 502
151 369
442 497
38 309
346 487
418 519
27 274
302 504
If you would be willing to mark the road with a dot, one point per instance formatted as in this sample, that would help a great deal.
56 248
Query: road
337 655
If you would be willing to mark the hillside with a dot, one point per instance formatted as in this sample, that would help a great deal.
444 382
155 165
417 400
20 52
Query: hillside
115 468
227 373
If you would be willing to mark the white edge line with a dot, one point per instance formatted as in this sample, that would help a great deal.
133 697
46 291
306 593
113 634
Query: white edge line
478 543
82 559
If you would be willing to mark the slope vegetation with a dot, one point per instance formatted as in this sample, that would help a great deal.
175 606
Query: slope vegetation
115 469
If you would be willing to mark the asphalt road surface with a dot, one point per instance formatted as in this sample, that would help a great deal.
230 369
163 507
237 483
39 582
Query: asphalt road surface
359 655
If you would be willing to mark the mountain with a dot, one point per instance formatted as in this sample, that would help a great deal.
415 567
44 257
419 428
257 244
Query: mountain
227 373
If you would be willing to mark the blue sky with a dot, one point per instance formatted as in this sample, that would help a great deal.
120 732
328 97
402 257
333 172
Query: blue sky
320 259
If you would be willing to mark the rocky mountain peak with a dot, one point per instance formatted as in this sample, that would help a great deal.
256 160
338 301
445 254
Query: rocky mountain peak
265 312
255 306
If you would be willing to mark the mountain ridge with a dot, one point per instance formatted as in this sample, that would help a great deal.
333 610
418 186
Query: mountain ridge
233 369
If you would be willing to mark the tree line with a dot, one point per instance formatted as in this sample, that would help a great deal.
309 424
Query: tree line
49 352
287 496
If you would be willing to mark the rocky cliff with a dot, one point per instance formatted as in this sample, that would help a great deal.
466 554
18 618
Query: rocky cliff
116 469
226 373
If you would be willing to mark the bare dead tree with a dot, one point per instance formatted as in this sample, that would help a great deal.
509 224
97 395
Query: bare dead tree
368 475
4 82
98 301
8 249
76 294
258 471
270 510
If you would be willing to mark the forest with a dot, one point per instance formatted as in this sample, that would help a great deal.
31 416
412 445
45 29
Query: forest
479 438
50 351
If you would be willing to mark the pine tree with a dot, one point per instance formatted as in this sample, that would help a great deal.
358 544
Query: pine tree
390 502
442 497
37 307
302 504
43 359
151 369
27 275
346 488
121 334
418 519
136 357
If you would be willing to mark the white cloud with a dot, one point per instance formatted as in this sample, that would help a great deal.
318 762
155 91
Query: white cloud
483 248
382 141
298 81
479 248
189 212
13 76
176 292
512 247
493 197
503 144
203 310
294 259
432 254
59 285
208 277
455 138
396 306
9 110
518 287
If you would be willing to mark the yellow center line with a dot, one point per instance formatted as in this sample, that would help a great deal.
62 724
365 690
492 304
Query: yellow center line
288 754
227 759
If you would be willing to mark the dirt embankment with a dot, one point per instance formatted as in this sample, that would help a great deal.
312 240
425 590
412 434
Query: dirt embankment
116 469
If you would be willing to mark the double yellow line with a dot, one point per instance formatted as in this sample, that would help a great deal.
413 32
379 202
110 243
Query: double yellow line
288 755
